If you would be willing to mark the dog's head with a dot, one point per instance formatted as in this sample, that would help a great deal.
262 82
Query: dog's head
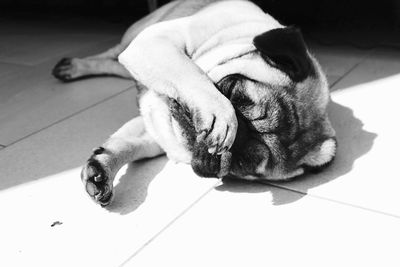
284 128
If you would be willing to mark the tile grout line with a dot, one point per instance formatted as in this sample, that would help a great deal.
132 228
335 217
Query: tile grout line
64 54
345 75
187 209
334 200
168 225
15 64
364 58
68 117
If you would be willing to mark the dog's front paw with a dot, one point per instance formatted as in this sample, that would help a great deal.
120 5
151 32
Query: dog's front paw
216 124
97 180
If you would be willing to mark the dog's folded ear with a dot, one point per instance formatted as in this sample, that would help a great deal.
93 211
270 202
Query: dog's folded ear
285 49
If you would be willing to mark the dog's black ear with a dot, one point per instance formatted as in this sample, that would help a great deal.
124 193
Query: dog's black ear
285 49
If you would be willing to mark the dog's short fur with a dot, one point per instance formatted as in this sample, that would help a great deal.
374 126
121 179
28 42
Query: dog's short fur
222 86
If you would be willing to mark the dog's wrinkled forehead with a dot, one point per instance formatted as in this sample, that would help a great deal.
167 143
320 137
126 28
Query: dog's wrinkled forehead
291 73
281 62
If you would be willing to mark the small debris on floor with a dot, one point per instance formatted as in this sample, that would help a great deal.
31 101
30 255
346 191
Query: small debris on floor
56 223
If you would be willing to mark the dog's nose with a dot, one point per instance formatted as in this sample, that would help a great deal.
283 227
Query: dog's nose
208 165
205 164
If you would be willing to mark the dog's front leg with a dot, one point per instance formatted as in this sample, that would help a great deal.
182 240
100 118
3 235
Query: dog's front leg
157 58
130 143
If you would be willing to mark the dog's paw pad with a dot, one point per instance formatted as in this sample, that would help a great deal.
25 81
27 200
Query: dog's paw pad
97 182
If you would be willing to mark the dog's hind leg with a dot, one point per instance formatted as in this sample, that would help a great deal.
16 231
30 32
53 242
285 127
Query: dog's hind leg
106 63
130 143
70 69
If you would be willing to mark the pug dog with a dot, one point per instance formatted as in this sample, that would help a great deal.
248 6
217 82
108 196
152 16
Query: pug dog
222 86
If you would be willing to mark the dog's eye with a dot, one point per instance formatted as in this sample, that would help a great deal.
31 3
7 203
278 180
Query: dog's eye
260 118
241 101
228 85
231 86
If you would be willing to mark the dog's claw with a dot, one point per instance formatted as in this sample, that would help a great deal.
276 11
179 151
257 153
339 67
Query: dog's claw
98 196
222 151
201 136
216 124
98 178
212 150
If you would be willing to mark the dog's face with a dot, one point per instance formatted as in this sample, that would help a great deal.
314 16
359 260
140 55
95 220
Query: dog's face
284 128
282 131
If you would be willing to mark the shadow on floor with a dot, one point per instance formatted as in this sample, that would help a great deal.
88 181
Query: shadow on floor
131 191
353 141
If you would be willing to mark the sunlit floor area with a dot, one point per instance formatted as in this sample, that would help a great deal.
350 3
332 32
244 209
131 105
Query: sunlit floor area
163 214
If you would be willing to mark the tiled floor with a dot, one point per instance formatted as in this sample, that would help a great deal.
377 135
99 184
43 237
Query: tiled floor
165 215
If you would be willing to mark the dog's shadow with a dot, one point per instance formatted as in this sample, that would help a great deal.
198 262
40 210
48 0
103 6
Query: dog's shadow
353 140
353 143
131 189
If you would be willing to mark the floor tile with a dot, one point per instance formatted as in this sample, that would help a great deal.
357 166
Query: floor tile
33 99
332 79
65 145
22 78
378 65
7 70
363 112
34 42
60 226
47 219
336 61
241 225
